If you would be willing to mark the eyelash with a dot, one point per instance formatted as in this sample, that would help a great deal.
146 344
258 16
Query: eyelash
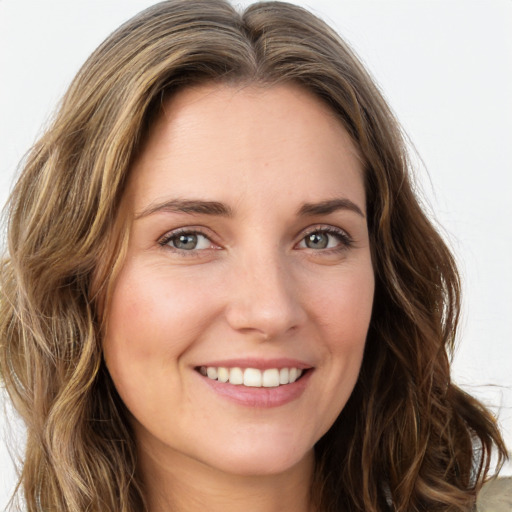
173 235
345 241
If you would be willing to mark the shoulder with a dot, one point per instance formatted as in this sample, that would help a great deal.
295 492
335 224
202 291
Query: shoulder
495 496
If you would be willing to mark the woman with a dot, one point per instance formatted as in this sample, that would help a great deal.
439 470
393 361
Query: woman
221 289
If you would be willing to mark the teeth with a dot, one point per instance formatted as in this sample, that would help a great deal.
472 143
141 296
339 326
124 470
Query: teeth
252 377
236 376
211 372
222 374
271 378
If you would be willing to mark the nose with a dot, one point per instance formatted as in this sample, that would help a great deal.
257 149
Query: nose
264 298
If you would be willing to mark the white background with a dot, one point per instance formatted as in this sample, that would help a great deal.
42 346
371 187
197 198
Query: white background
446 68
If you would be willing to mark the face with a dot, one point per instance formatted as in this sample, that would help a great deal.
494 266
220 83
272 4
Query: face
237 324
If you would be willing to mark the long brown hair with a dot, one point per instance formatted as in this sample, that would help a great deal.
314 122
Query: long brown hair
408 439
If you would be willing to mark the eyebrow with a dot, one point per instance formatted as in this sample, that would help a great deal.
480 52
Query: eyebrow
329 206
201 207
187 206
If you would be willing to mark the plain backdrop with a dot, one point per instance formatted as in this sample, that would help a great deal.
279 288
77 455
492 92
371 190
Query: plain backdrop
446 69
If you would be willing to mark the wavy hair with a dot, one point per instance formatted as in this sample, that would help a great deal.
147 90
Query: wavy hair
408 439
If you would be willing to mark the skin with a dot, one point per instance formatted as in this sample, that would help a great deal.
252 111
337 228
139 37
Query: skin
252 287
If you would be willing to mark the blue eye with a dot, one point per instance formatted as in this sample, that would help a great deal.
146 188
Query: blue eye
317 241
187 241
325 239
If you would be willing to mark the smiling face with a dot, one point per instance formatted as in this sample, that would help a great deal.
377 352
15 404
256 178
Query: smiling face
237 324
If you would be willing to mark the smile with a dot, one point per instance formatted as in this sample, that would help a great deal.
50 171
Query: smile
252 377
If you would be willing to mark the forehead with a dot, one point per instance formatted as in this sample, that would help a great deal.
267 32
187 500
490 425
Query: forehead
220 140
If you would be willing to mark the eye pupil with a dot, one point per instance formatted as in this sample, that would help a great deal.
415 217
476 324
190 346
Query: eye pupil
185 241
317 241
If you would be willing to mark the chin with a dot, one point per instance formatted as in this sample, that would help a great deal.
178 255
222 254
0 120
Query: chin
262 461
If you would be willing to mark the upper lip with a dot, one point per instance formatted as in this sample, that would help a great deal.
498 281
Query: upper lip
257 363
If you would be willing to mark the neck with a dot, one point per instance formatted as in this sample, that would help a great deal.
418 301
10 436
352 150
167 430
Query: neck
187 485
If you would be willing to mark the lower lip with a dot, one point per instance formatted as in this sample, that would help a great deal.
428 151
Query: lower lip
260 397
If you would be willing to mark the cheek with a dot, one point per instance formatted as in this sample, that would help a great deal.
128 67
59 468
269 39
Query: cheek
342 313
152 319
343 307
